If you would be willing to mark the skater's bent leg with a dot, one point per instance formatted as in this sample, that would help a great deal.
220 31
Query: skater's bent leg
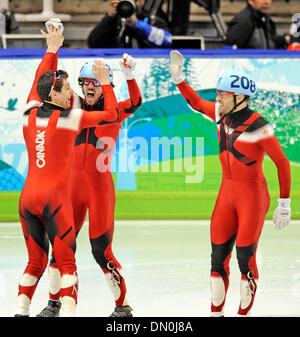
54 276
251 212
220 272
102 252
37 247
223 229
246 257
61 232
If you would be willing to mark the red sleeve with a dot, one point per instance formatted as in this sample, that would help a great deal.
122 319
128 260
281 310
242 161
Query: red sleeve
110 113
49 62
129 106
275 152
196 102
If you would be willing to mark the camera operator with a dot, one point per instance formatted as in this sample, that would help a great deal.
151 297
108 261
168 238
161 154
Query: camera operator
128 25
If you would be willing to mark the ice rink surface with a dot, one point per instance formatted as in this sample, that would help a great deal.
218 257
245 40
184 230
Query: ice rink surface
166 265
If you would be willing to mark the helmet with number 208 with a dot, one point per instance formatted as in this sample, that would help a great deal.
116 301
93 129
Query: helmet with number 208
236 82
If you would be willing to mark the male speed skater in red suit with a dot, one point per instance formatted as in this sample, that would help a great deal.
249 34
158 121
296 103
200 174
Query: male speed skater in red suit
92 187
243 200
50 127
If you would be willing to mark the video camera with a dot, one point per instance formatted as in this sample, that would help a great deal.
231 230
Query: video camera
126 8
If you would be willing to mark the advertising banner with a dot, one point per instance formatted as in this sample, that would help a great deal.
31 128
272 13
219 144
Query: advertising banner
165 146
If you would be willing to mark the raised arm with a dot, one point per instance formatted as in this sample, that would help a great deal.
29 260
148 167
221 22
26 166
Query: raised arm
190 95
54 41
196 102
129 106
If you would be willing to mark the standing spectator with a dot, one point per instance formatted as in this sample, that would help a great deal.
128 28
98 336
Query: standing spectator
253 28
138 30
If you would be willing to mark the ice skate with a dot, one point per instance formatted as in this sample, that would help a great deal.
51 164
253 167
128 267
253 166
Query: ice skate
51 310
123 311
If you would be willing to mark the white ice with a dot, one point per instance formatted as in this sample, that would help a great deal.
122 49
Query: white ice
166 266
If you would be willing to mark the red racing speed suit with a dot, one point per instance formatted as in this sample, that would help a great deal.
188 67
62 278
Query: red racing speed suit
45 207
243 198
92 189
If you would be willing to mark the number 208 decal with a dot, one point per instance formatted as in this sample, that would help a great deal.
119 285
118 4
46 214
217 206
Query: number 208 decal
243 82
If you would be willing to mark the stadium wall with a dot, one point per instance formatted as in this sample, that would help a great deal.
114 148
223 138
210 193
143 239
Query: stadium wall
165 164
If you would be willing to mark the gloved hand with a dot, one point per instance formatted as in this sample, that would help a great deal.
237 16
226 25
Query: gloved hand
127 65
56 23
282 213
176 66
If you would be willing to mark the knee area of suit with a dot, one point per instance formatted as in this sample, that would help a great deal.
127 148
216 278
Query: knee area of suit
37 269
244 255
218 255
28 280
218 258
98 255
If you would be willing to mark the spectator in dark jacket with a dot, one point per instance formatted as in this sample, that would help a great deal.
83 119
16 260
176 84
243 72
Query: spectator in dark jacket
253 28
138 31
